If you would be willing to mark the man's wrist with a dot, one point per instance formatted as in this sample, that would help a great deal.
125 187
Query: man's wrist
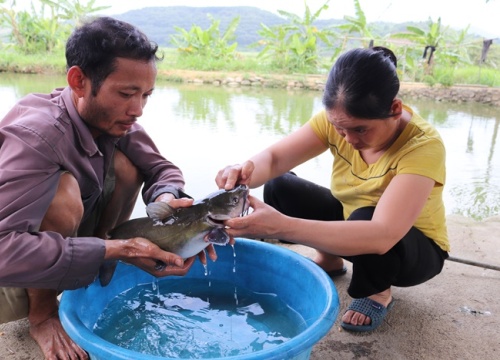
115 249
165 197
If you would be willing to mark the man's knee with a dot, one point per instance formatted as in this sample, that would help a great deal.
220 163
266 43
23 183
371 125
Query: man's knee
65 213
121 188
14 304
126 173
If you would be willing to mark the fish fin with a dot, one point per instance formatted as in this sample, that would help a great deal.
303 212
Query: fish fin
217 236
159 211
106 272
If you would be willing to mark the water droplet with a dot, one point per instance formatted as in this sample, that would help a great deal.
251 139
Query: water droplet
234 257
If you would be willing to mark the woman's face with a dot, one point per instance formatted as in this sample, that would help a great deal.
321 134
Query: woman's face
365 134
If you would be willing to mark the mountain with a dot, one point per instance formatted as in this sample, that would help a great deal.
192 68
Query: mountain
159 22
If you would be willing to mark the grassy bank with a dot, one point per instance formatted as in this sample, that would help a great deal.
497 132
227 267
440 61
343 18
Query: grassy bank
246 65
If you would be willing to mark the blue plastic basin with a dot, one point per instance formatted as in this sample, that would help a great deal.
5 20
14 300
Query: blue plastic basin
260 267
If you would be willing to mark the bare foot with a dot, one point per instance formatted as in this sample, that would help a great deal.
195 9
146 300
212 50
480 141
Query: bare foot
46 328
351 317
54 341
328 262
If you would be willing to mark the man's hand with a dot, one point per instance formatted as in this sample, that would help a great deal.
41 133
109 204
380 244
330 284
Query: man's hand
147 256
173 202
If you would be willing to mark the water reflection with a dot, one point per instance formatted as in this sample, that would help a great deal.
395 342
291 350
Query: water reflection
279 112
203 128
204 109
470 133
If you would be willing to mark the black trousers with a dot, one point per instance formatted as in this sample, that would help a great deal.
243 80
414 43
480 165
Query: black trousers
412 261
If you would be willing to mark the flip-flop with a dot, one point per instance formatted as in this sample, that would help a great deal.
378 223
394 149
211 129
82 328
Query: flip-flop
374 310
336 272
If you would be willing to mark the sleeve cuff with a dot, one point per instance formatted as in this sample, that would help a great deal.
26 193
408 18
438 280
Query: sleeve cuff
178 193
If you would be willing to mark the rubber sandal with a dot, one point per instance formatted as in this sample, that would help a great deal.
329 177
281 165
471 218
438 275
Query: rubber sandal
374 310
338 272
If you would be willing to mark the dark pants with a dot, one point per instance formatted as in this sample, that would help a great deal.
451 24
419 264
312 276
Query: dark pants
412 261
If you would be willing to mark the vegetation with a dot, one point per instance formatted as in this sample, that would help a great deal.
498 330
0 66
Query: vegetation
250 40
43 29
294 46
207 44
358 26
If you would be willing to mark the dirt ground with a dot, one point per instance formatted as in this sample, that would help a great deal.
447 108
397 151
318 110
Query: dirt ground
456 315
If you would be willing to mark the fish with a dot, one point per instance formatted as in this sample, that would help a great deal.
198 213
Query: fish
184 231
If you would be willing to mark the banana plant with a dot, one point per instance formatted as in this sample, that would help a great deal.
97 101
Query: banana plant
357 24
207 42
35 31
294 46
428 40
457 49
74 10
275 45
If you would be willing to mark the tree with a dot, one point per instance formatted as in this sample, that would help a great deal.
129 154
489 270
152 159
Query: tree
46 26
207 43
72 10
426 40
357 25
294 45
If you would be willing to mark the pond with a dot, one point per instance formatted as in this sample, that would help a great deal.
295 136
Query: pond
203 128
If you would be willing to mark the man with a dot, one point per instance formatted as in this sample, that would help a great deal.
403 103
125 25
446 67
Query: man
71 167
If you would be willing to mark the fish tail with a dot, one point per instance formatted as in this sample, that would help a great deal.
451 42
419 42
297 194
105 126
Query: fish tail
106 272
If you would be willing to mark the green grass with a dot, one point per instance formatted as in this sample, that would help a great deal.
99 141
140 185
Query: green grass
32 64
477 75
244 62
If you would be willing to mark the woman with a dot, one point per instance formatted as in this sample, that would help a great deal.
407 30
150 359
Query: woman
388 174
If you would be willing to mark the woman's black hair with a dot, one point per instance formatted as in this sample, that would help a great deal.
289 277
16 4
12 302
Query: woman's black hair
95 45
364 83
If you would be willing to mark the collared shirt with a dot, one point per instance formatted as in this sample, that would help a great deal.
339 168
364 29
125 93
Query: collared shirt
40 137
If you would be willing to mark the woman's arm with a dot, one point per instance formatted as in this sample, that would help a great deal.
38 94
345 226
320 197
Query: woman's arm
396 212
284 155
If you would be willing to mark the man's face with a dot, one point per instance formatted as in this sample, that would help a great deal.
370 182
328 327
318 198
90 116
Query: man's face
120 99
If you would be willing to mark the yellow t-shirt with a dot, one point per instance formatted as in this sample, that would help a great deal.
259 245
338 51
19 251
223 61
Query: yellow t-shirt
418 150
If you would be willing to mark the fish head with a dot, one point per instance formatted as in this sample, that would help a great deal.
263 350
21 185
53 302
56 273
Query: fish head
226 204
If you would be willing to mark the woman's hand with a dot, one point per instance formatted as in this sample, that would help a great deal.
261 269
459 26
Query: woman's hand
233 175
263 222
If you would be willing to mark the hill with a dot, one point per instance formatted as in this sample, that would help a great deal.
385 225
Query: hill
159 22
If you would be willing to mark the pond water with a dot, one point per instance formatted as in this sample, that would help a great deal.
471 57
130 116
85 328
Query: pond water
203 128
